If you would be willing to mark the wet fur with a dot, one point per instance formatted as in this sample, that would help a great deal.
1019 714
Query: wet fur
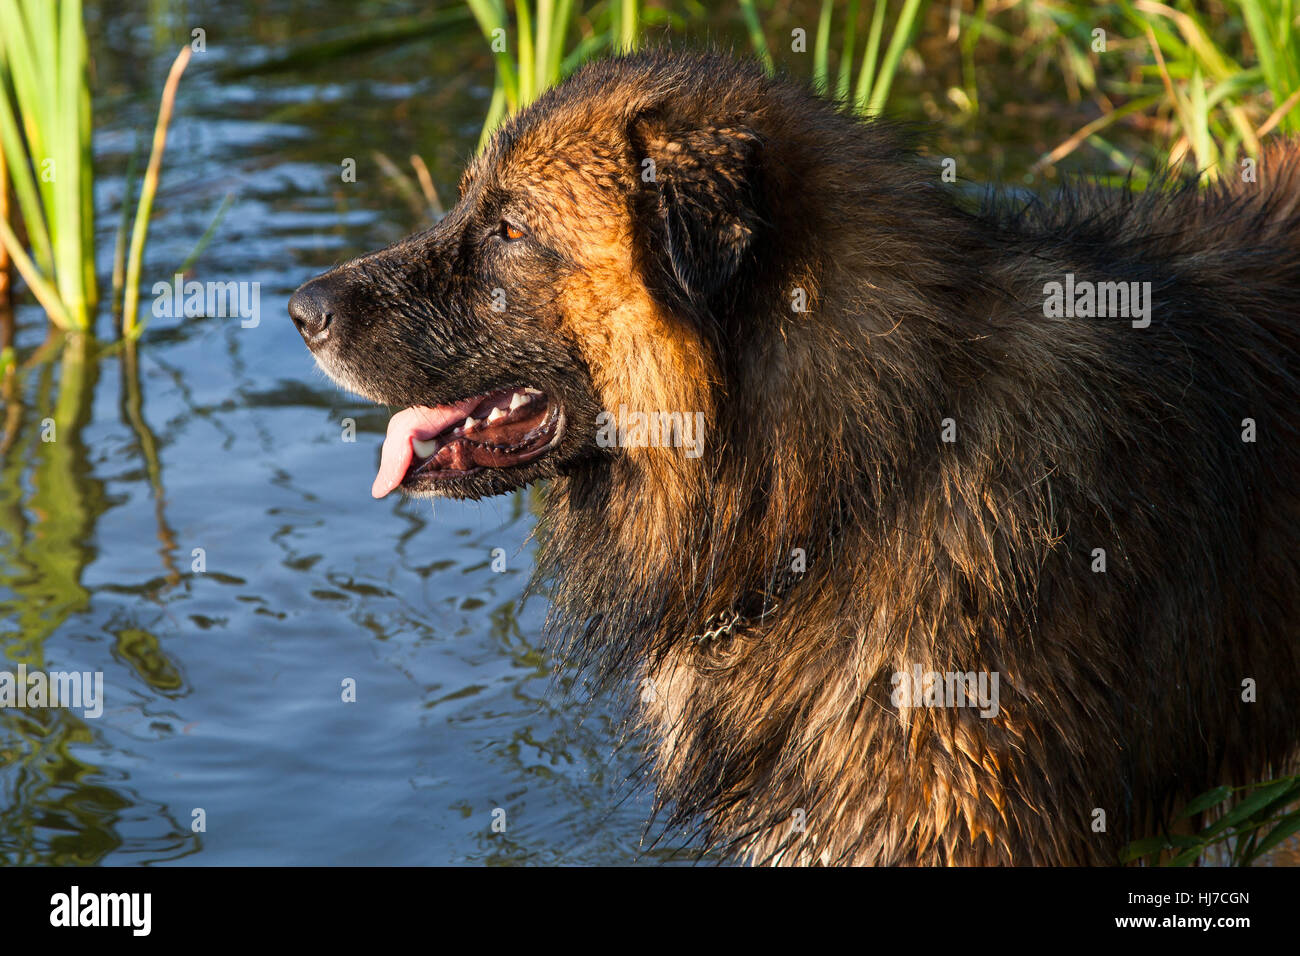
1120 691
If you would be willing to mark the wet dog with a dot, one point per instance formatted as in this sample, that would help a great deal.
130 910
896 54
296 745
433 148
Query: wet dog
987 552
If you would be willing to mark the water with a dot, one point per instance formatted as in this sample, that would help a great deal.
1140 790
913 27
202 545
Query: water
223 687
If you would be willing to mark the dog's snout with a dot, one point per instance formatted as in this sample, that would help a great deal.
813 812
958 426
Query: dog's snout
314 311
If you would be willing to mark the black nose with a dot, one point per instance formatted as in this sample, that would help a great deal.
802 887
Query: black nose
312 311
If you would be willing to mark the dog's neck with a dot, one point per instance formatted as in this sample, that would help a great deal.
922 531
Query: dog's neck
650 549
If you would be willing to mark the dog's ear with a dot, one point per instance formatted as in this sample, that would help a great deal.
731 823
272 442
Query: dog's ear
700 191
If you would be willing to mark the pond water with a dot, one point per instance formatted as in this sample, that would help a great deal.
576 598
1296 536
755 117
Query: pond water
200 528
223 686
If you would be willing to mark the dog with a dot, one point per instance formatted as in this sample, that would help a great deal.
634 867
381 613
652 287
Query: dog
930 533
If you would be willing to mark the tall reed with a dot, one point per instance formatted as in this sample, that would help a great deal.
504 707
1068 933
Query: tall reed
45 138
875 74
131 327
1215 99
45 130
535 54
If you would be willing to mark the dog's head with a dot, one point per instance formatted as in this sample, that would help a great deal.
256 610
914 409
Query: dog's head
583 268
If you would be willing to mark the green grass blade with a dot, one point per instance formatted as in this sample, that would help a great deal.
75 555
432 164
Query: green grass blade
524 37
1261 35
754 25
898 42
867 73
68 252
46 294
491 17
545 37
1288 826
821 47
495 114
1202 145
846 53
564 20
31 109
628 24
131 328
86 126
124 229
208 233
30 203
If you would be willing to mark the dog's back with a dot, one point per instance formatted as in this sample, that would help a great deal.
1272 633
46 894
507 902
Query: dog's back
1016 473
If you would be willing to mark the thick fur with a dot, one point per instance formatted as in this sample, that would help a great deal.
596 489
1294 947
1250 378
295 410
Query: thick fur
1121 691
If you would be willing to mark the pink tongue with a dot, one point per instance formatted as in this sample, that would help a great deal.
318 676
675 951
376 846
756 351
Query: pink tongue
419 422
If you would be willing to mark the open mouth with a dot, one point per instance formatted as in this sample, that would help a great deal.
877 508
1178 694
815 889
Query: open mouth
500 429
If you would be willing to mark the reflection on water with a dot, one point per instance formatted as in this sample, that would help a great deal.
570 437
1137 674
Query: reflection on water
189 519
61 803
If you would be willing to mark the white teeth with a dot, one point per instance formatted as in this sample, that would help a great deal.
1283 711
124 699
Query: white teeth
495 415
469 423
519 399
533 391
425 449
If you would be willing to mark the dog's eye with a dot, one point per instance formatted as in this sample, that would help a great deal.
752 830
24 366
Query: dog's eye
510 232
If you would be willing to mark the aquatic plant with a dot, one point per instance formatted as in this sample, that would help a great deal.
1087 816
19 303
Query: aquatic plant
45 138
